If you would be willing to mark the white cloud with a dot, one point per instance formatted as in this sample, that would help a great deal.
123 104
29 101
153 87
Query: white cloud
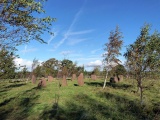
94 63
23 62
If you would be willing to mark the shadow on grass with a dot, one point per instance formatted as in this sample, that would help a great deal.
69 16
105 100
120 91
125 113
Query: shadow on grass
76 85
84 107
15 85
96 84
133 108
18 108
109 84
118 85
6 101
53 112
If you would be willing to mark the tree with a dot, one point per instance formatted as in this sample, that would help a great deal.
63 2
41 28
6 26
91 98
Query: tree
112 49
19 22
24 71
51 67
96 70
35 63
118 70
38 71
68 67
7 64
144 55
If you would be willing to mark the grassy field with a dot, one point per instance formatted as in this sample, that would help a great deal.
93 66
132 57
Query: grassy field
23 101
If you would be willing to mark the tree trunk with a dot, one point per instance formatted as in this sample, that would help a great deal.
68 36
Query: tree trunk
104 85
141 92
140 89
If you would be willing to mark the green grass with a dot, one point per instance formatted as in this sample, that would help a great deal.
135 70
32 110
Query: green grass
23 101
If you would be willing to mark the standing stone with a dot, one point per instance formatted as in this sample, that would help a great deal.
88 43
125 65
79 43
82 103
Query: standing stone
80 80
64 81
114 79
73 77
43 82
33 79
120 78
93 77
50 78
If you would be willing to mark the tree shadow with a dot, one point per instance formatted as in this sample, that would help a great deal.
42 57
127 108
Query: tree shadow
118 85
85 108
109 84
6 101
95 84
76 85
53 112
125 105
9 109
15 85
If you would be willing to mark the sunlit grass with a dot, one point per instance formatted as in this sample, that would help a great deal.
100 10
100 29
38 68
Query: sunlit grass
118 101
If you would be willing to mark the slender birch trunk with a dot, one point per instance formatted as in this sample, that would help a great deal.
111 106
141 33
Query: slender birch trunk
104 85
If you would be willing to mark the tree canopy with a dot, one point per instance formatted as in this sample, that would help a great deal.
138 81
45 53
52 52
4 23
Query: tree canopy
20 23
112 51
144 55
7 64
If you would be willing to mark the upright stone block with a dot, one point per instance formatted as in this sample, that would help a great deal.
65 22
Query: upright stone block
120 78
80 80
33 79
50 78
64 81
93 77
73 77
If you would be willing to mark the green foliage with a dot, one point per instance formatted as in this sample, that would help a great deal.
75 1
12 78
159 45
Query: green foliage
50 67
19 22
96 71
112 51
112 48
38 71
118 70
68 68
7 65
144 55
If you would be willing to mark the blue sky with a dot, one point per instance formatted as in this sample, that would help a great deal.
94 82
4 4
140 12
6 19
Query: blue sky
83 26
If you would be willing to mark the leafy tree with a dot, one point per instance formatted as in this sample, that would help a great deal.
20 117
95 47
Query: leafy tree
96 71
118 70
7 64
35 63
38 71
67 67
79 69
24 72
144 55
51 67
19 22
112 51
